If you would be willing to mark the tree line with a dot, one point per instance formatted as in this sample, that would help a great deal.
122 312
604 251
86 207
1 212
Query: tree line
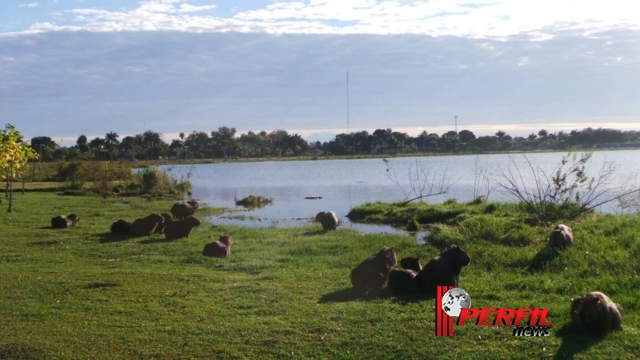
223 143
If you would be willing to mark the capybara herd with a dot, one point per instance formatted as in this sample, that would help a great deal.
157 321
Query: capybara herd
593 312
378 270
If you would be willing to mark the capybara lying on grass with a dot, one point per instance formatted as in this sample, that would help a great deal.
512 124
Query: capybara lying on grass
180 229
146 226
374 271
160 228
443 270
404 280
595 312
61 221
121 227
220 248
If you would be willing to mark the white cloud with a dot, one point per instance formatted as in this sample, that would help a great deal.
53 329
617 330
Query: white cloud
31 5
465 18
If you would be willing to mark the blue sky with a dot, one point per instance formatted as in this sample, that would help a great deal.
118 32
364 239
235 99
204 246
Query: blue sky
71 67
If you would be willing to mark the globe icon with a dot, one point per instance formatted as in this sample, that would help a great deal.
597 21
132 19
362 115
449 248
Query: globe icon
455 300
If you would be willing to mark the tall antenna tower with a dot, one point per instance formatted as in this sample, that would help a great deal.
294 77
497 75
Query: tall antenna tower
348 130
456 120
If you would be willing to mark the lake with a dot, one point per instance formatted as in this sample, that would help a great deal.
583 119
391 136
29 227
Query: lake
344 184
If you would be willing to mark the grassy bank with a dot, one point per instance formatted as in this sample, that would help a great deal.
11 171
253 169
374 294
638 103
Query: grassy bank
79 293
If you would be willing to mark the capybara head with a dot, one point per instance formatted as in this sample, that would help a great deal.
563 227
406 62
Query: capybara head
411 263
389 255
457 255
561 237
192 221
225 239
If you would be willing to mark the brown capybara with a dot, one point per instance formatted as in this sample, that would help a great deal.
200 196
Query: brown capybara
147 225
160 228
328 219
121 227
411 263
61 221
373 273
595 312
117 190
561 237
443 269
402 280
181 228
184 210
220 248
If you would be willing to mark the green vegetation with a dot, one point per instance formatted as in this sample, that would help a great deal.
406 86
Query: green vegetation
225 145
79 293
253 201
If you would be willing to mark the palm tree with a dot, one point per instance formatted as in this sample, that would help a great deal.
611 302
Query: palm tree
111 142
151 140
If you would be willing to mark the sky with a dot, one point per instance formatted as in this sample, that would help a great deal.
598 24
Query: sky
71 67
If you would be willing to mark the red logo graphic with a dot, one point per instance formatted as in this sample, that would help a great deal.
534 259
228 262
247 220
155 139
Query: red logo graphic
456 303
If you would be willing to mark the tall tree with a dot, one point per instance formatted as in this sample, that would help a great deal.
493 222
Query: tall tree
111 142
14 154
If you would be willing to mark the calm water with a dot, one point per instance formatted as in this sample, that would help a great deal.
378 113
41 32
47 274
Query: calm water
343 184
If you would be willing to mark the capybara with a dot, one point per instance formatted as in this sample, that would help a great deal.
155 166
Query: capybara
595 312
411 263
160 228
402 280
443 269
61 221
373 273
146 226
184 210
181 228
117 190
561 237
220 248
328 219
121 227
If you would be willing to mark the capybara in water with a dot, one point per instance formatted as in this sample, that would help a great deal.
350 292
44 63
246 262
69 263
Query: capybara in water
595 312
220 248
147 225
160 228
181 228
443 269
328 219
561 237
121 227
374 271
61 221
184 210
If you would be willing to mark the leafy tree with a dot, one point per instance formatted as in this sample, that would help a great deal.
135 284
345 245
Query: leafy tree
111 142
14 154
45 146
466 136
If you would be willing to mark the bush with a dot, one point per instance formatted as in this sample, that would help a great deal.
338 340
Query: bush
151 181
253 201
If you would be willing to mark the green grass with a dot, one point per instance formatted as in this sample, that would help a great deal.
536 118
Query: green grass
78 293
